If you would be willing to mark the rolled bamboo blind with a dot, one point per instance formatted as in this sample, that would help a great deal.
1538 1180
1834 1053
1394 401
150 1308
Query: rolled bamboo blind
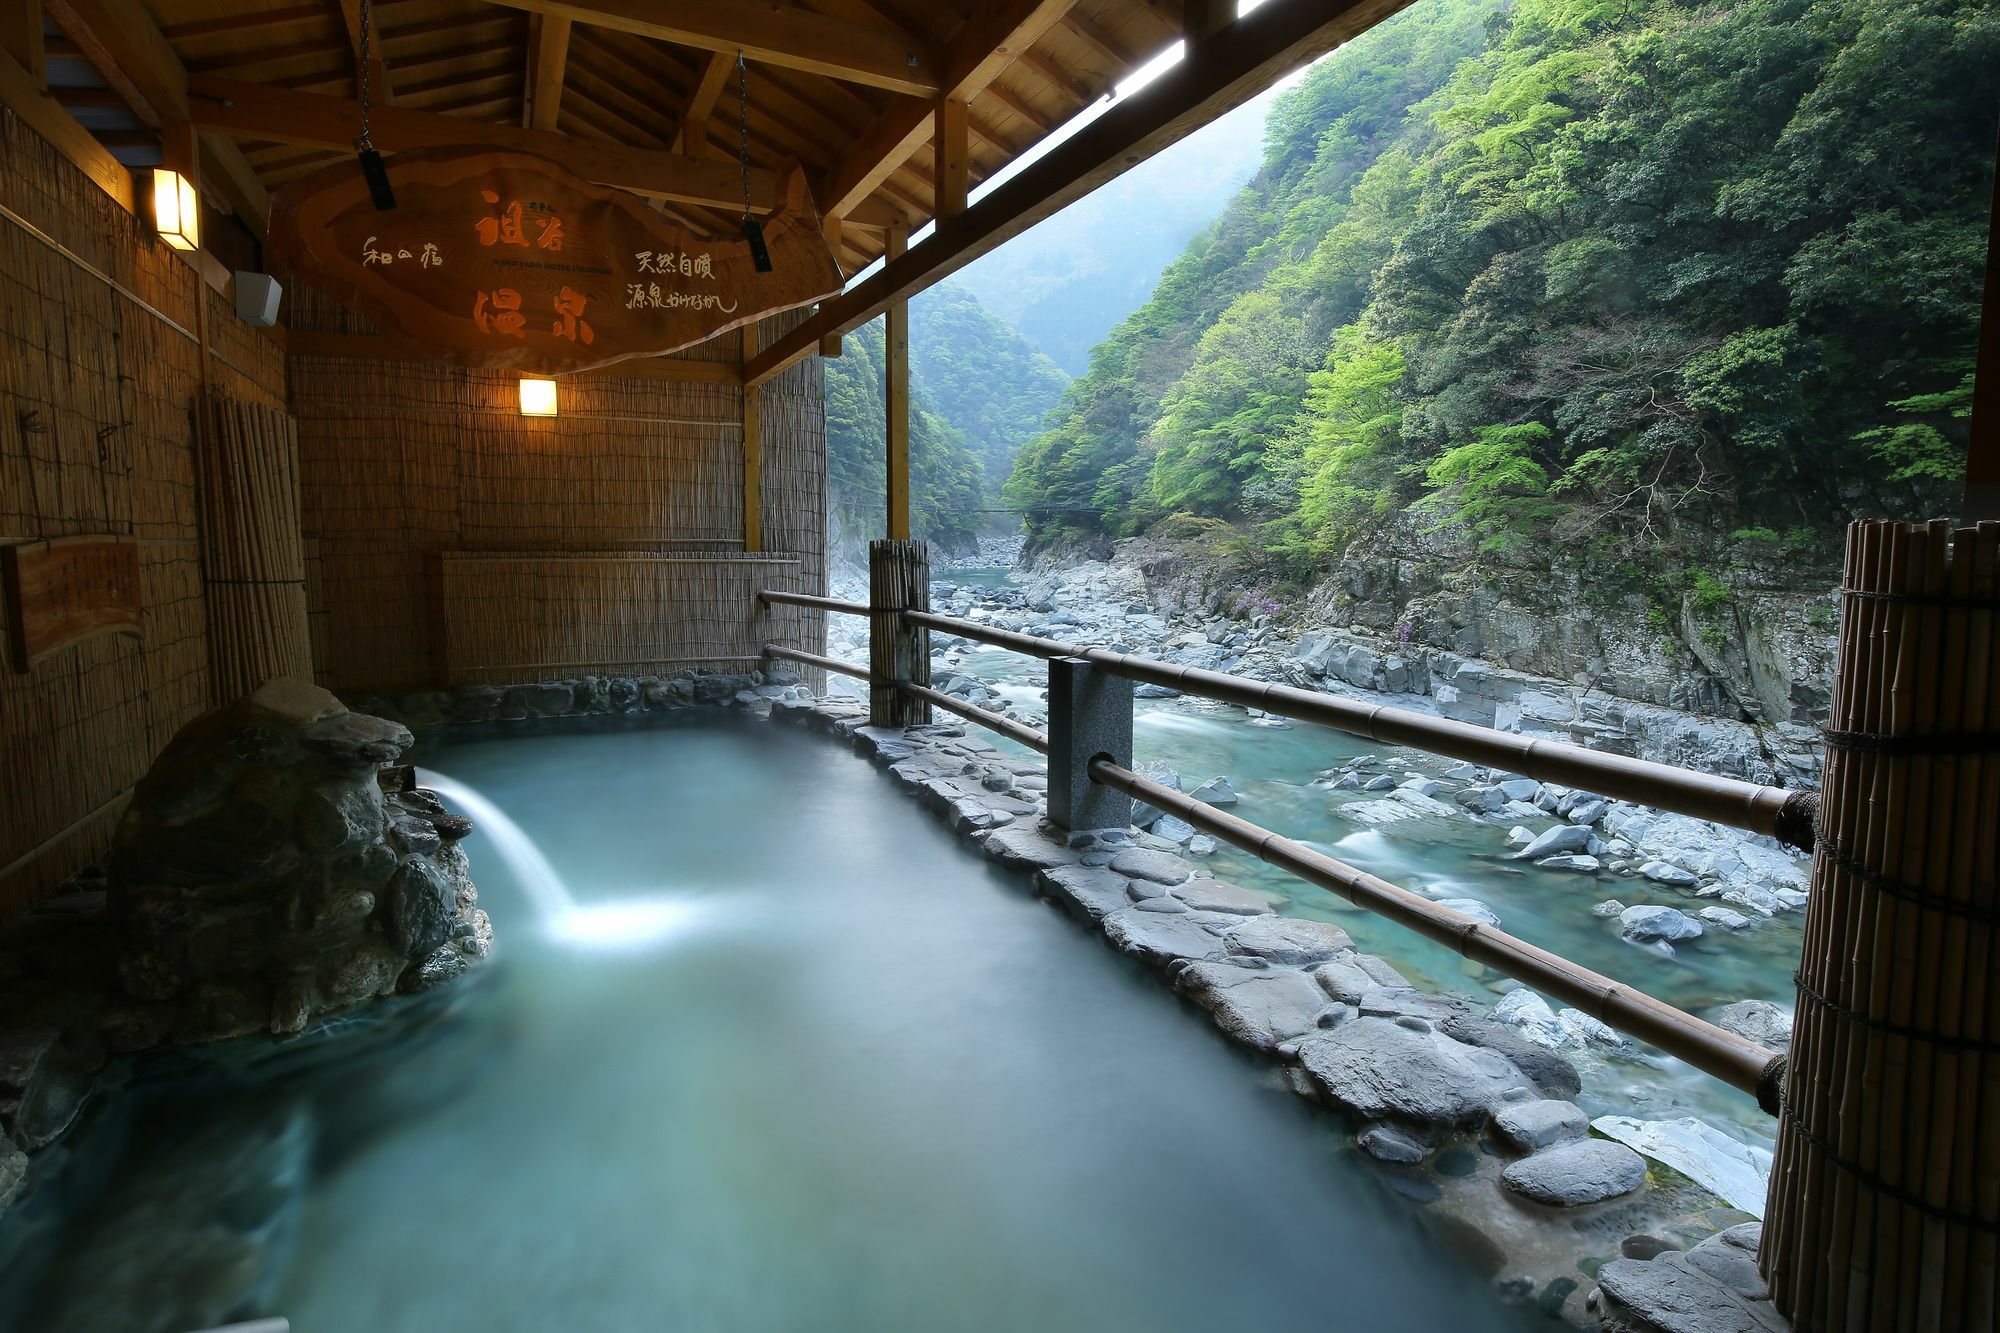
1885 1195
252 552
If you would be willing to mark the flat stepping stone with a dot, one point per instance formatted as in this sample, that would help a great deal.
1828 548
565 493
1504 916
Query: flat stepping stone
1378 1069
1091 890
1672 1292
1288 939
1214 895
1529 1126
1023 847
1261 1007
1162 938
1572 1174
1159 867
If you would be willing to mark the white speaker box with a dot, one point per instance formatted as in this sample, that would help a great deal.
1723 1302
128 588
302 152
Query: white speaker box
257 297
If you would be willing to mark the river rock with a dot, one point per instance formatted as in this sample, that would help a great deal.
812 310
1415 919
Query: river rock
1214 895
1376 1068
1736 1173
1677 1291
1761 1021
1558 841
1583 865
1532 1016
1647 924
1287 939
1661 872
1723 917
1529 1126
1609 907
1216 791
1386 1144
1572 1174
1470 907
1258 1006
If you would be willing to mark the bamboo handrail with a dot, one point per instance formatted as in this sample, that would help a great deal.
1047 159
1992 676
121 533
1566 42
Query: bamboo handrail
985 717
1735 1060
1785 814
817 603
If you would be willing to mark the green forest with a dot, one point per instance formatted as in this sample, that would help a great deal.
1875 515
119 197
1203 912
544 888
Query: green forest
978 391
1616 273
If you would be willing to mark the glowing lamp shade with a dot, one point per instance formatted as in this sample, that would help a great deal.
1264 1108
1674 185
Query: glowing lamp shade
538 398
174 210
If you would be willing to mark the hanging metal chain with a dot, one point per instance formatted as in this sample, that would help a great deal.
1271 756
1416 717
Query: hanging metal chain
364 143
743 129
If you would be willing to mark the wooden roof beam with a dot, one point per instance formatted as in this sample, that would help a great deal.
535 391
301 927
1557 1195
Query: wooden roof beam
1234 65
381 89
772 33
260 111
998 33
548 59
21 38
122 40
691 130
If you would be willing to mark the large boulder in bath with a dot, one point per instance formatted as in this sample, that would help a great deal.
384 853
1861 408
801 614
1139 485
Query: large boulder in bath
262 875
1404 1069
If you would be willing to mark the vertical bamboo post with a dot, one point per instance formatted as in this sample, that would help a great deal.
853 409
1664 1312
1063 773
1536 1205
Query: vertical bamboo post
899 579
1884 1202
896 396
753 451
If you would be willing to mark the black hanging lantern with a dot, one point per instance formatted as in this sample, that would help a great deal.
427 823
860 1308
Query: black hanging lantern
753 230
373 169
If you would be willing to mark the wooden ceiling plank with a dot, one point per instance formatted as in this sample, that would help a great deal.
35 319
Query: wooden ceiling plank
1120 60
771 33
1221 74
996 34
550 60
237 24
1019 105
263 112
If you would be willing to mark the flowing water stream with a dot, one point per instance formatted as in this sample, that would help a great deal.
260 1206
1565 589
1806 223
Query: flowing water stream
761 1048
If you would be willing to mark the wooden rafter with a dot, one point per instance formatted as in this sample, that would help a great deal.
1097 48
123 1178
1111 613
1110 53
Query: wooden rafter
121 39
691 129
768 32
546 64
259 111
380 85
1241 60
999 32
21 38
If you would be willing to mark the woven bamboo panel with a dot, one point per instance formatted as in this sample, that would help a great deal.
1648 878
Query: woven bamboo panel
253 560
98 369
535 615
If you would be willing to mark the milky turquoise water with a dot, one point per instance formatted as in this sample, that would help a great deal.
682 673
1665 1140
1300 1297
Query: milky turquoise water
772 1051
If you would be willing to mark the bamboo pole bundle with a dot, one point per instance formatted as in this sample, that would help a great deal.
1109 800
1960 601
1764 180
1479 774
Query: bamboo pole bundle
899 580
1885 1191
253 554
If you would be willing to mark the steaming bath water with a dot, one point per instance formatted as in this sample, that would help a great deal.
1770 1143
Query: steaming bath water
762 1048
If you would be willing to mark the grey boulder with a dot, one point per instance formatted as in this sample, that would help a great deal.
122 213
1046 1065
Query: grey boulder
1576 1173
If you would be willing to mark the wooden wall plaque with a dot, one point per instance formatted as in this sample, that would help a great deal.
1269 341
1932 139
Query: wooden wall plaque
502 260
68 589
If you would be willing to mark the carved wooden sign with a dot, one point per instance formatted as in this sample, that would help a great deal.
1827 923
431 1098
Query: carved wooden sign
506 260
68 589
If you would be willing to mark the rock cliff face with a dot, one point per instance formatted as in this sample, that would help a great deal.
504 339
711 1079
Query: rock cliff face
262 876
1727 674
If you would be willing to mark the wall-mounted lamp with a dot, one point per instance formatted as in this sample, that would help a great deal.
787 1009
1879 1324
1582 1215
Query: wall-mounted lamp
175 213
538 398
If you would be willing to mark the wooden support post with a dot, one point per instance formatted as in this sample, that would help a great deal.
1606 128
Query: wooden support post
753 452
1090 717
1982 457
1884 1205
21 38
899 579
896 401
952 157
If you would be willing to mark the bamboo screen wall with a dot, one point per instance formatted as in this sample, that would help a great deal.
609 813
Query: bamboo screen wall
452 540
97 437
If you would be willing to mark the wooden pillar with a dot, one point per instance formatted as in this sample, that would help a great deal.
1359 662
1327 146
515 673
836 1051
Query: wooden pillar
1982 458
1884 1206
899 579
753 451
21 38
952 157
896 396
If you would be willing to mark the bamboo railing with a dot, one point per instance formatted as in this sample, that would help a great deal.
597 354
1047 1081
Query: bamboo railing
1784 814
